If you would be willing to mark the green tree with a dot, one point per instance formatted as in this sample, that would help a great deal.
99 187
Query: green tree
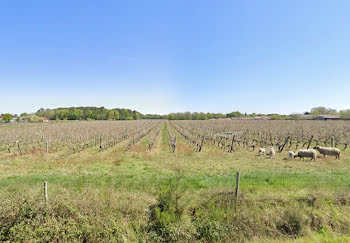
63 114
80 114
102 112
295 116
7 117
318 111
235 114
323 111
136 115
90 114
72 115
116 115
345 114
123 114
202 116
276 117
109 115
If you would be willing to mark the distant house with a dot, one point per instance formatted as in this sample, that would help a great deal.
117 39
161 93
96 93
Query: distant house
328 117
1 117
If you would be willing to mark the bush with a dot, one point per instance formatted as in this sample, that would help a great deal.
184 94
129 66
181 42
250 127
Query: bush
7 117
168 218
58 222
294 222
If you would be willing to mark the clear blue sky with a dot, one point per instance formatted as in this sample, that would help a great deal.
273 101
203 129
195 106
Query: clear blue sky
175 55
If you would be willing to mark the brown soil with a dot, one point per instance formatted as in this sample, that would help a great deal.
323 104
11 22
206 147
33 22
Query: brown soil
138 148
183 148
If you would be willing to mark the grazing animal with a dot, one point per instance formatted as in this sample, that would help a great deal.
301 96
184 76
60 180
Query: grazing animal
328 151
272 152
291 155
262 151
306 153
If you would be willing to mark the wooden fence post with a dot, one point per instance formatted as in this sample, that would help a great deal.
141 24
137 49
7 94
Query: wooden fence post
47 146
45 191
100 144
237 187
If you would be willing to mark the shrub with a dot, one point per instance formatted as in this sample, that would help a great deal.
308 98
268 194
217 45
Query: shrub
293 222
168 220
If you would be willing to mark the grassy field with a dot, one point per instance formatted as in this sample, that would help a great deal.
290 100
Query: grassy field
185 196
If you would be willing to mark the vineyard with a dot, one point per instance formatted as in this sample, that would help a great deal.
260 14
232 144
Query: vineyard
158 180
282 134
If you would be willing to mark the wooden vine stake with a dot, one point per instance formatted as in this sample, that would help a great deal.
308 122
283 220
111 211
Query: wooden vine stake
285 142
19 148
332 142
308 146
233 140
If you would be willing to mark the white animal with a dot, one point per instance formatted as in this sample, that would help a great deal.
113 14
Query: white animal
328 151
272 152
306 153
291 155
262 151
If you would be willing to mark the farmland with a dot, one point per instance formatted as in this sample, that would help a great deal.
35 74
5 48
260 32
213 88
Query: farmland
158 180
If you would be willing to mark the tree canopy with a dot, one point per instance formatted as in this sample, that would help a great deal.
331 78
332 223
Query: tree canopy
7 117
89 113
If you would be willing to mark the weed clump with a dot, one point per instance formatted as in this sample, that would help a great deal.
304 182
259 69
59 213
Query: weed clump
168 218
57 222
293 222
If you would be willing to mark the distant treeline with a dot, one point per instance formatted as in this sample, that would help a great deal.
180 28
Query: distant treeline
102 113
205 116
89 113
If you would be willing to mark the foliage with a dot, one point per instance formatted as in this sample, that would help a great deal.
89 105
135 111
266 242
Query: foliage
195 116
235 114
32 220
32 118
323 111
168 220
345 114
89 113
7 117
